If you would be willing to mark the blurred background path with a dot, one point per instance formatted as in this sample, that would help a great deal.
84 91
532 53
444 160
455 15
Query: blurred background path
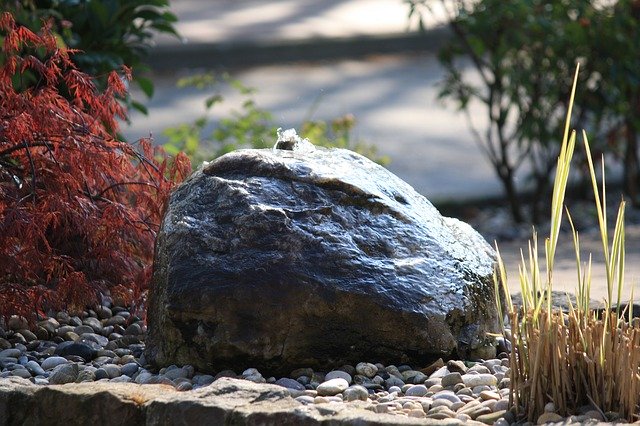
319 60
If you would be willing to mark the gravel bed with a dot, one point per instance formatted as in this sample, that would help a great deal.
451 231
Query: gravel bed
107 344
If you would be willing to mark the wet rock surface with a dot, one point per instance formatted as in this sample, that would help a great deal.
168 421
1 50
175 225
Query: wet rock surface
281 259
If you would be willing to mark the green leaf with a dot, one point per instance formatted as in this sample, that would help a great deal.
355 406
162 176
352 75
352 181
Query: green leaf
146 85
140 107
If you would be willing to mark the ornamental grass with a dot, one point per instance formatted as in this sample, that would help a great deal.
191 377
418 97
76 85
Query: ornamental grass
580 356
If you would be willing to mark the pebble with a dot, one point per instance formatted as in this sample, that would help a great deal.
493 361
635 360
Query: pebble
393 381
21 372
451 379
10 353
549 417
86 376
332 387
35 368
64 373
53 362
107 343
289 384
356 393
305 399
366 369
335 374
446 394
130 369
82 350
482 379
416 390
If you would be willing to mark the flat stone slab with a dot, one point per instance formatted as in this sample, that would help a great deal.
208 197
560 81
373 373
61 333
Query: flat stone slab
226 401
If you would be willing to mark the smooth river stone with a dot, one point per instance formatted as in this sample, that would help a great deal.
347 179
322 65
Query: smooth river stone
473 380
332 387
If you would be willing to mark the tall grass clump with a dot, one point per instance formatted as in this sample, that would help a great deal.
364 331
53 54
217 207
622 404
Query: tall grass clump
583 356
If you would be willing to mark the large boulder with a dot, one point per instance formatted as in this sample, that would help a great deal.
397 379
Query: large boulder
282 258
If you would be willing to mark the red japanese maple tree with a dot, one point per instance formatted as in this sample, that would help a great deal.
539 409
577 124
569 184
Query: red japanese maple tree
79 209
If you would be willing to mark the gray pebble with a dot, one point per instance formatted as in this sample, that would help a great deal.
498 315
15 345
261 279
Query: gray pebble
451 379
112 370
204 379
64 373
305 399
121 379
35 368
116 320
439 373
308 372
332 387
366 369
456 366
21 372
83 329
28 335
479 368
393 370
473 380
96 338
10 353
356 393
52 362
184 386
94 323
395 389
101 373
388 398
130 369
255 378
393 381
290 384
86 376
419 378
103 312
416 390
17 323
8 362
133 330
75 321
338 374
144 378
445 394
303 380
408 375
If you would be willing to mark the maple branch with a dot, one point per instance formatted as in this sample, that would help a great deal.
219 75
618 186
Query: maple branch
25 145
99 195
33 172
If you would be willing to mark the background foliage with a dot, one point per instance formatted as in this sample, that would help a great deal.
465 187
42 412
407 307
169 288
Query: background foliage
251 126
106 35
523 53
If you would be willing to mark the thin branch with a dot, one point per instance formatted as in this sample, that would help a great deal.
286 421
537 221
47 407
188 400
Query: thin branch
99 195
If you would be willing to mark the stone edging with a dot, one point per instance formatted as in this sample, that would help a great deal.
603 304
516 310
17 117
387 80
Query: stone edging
225 402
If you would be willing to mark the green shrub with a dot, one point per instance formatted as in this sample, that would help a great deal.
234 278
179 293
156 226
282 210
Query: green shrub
522 54
106 34
251 126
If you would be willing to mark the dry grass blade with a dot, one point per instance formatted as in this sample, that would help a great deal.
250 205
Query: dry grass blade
574 358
